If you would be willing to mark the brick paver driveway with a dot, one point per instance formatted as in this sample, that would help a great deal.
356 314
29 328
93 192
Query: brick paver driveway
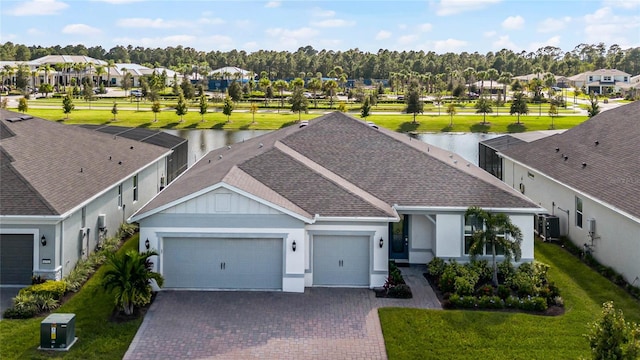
322 323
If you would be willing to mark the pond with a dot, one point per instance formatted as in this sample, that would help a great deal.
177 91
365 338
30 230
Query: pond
203 141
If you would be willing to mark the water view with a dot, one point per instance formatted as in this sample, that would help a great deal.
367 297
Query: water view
203 141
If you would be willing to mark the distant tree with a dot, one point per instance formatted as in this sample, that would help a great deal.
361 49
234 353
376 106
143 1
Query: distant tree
87 93
315 85
366 107
187 89
611 337
281 86
253 109
299 102
438 101
181 107
330 87
227 108
235 91
114 110
204 105
127 81
451 110
342 106
593 108
155 107
519 105
265 83
415 106
67 104
553 112
45 88
483 106
23 105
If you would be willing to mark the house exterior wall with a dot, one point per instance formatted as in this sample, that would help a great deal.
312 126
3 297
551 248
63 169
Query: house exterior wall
616 241
449 235
421 239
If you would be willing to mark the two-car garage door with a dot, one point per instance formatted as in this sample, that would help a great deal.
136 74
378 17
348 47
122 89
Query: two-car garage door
219 263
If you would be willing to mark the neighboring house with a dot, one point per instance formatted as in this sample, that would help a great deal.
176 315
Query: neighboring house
220 79
603 81
588 177
560 81
118 72
324 203
64 189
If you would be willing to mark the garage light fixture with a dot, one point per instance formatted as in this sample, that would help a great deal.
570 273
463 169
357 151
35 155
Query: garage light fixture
43 241
381 242
146 244
293 246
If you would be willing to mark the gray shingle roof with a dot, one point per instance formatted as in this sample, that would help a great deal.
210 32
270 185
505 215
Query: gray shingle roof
612 164
57 167
340 166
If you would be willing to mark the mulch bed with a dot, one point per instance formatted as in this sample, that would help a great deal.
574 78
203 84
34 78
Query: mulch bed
553 310
119 317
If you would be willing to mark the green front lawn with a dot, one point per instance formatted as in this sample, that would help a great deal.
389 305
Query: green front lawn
98 338
457 334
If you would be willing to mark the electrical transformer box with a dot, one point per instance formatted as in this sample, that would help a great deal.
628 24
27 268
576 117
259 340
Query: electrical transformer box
57 332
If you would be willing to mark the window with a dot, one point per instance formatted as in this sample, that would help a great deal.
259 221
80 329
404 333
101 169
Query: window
578 212
606 78
120 195
471 225
590 78
135 187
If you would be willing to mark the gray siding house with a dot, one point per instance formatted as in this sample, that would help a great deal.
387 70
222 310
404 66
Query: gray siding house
325 203
64 189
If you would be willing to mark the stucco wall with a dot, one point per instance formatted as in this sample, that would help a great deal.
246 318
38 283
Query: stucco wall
449 231
421 240
617 238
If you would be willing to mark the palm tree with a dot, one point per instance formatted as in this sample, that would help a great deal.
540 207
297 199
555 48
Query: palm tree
128 277
492 74
281 85
110 64
469 73
314 85
46 68
99 72
495 230
505 79
482 76
451 110
330 87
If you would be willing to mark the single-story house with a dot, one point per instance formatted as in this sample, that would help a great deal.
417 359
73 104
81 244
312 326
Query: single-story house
324 203
588 177
65 189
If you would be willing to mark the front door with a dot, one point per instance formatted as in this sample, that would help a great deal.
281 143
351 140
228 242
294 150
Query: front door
399 239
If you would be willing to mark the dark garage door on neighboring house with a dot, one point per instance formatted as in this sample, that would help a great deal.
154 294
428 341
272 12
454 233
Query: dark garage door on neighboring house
217 263
16 259
340 260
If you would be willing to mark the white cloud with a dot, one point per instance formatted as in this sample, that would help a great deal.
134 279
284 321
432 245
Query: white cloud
426 27
273 4
402 26
407 39
35 32
513 22
291 38
383 34
605 26
119 2
552 41
449 45
161 42
489 34
149 23
503 42
332 23
322 13
625 4
211 21
80 29
38 7
553 25
452 7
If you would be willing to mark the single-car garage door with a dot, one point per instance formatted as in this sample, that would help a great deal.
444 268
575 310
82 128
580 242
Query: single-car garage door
16 259
214 263
340 260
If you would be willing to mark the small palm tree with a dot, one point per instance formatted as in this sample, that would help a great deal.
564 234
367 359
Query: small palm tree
128 276
494 230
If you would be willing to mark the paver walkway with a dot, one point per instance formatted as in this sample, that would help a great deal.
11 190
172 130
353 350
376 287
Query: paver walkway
321 323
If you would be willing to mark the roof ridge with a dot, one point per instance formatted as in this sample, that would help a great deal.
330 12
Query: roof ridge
333 177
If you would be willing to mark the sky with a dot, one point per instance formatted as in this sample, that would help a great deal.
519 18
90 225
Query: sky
429 25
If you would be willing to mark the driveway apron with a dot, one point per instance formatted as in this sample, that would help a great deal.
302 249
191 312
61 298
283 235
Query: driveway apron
321 323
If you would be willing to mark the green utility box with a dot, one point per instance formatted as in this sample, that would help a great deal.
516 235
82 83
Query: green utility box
58 332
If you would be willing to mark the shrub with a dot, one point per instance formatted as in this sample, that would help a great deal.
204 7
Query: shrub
463 286
512 302
490 302
503 291
505 271
19 313
558 301
50 288
126 230
401 291
436 267
482 268
447 280
533 304
611 337
485 290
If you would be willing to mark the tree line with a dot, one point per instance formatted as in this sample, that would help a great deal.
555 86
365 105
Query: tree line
356 64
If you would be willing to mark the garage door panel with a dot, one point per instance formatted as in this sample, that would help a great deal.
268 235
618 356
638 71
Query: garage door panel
214 263
340 260
16 259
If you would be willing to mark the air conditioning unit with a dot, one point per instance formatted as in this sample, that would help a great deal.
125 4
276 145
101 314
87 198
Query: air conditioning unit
84 242
540 224
591 226
551 228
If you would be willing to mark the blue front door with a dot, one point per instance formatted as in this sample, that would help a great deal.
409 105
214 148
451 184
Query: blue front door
399 239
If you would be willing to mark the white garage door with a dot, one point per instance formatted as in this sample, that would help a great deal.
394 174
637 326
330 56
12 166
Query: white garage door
340 260
214 263
16 259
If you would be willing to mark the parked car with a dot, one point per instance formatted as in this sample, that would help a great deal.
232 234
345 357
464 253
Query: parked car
136 92
555 88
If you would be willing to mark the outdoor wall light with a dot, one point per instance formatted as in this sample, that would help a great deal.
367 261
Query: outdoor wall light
146 244
381 242
293 246
43 241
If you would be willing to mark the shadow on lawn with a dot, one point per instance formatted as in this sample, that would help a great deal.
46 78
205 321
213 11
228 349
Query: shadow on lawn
516 128
408 126
170 125
480 128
